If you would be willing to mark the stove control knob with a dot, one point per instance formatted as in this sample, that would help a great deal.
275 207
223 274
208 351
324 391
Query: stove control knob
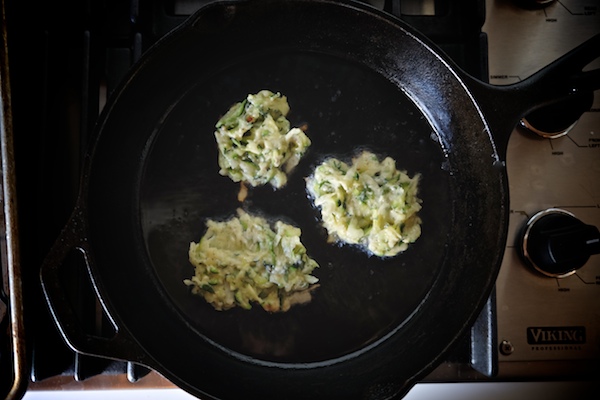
556 243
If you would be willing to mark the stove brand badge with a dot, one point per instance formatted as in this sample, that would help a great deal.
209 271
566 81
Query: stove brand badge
556 335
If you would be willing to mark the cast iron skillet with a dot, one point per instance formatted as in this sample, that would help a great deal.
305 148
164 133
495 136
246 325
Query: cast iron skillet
360 79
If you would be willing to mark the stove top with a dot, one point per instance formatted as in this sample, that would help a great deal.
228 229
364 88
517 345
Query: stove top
547 327
534 327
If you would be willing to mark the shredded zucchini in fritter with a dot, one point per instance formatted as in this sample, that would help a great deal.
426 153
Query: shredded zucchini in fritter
243 260
368 203
256 144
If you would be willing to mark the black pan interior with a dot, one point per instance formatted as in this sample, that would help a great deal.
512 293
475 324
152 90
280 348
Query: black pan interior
348 108
359 81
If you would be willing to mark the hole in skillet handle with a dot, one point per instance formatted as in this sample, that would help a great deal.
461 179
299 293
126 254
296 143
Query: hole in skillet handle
565 78
72 247
558 119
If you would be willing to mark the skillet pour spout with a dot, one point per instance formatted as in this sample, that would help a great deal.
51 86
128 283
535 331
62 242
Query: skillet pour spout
374 326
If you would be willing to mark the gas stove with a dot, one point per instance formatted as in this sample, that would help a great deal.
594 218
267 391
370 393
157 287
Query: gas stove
535 327
547 325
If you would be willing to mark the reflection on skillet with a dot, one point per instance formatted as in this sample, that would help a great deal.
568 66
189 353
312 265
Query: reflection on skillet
348 107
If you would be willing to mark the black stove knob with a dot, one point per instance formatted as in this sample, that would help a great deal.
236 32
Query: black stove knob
558 119
556 243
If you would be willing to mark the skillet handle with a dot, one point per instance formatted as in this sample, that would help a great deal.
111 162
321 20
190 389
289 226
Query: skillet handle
504 106
73 241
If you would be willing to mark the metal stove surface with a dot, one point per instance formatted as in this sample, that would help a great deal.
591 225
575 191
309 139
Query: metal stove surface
562 315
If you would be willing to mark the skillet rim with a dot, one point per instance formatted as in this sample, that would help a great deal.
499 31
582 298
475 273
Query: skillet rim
145 60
